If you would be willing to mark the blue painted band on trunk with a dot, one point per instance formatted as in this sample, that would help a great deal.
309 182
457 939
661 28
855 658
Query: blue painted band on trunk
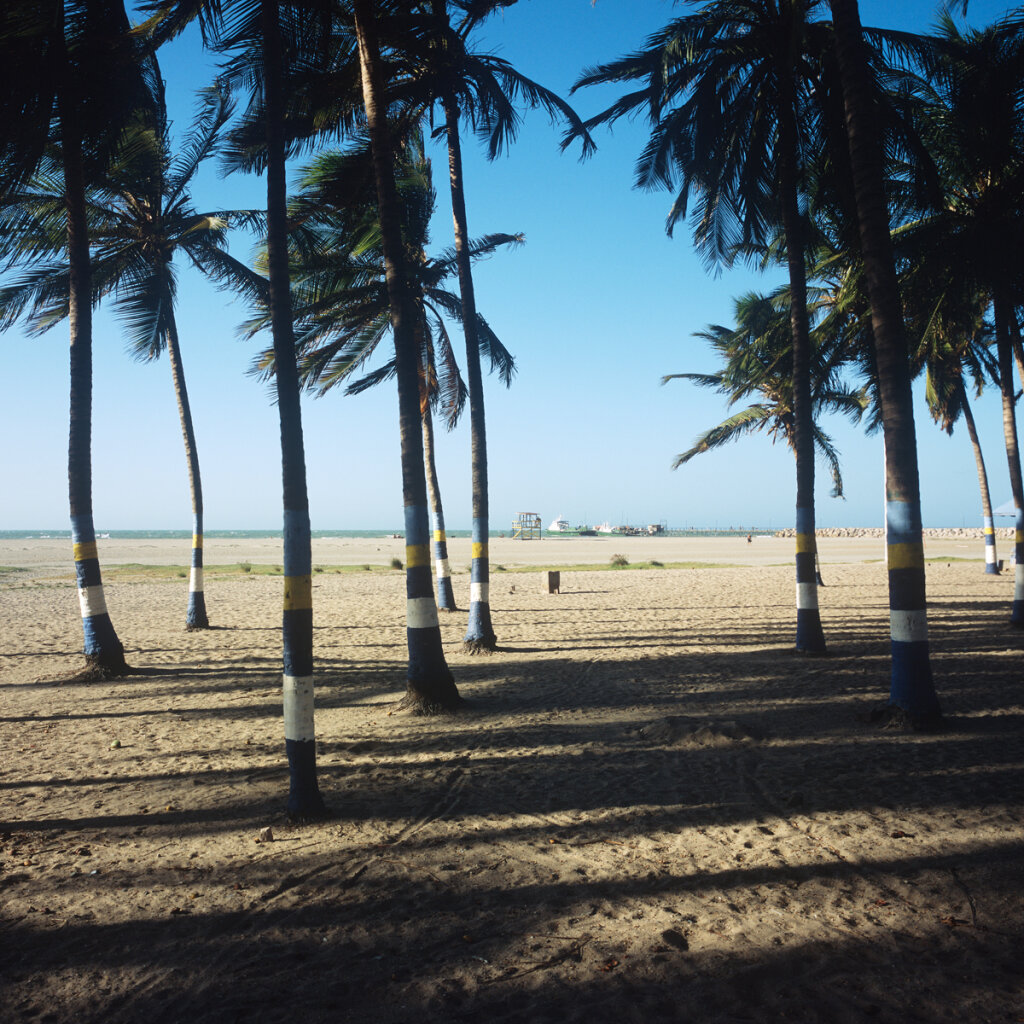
196 614
479 570
426 656
805 567
990 540
417 525
419 582
912 687
197 558
197 524
479 627
480 531
82 531
809 634
87 573
906 590
99 635
991 568
303 792
903 522
445 594
297 634
1017 612
805 520
298 558
440 549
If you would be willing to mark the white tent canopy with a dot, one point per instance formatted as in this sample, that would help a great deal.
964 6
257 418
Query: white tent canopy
1006 509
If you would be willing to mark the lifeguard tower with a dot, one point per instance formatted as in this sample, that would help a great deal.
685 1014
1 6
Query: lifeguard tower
526 526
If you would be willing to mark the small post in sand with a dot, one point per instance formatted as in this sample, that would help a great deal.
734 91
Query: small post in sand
554 582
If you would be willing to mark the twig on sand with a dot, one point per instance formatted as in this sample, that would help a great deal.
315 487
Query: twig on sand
573 952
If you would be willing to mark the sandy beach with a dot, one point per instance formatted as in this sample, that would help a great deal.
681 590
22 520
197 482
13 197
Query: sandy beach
650 808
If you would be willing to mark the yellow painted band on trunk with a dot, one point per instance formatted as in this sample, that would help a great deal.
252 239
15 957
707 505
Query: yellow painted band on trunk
85 551
1019 537
479 550
905 556
298 593
197 540
989 531
805 544
417 555
439 535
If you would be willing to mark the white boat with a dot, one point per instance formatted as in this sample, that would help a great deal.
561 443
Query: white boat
560 525
604 528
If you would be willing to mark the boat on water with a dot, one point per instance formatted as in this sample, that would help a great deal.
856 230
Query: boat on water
562 526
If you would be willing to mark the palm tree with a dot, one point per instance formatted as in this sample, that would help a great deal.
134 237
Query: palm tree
275 33
139 217
732 95
71 72
756 361
436 65
912 696
974 126
431 687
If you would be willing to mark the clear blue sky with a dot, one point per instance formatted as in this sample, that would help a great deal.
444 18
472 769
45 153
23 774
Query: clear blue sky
596 307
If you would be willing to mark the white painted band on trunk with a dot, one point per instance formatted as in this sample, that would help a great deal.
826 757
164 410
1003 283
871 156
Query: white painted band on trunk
443 572
909 627
807 595
420 612
92 601
1018 582
478 593
195 579
298 708
990 553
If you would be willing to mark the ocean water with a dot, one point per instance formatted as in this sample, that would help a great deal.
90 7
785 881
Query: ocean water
690 531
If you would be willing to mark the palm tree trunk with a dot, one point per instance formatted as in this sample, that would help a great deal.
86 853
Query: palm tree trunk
431 687
912 690
1002 310
195 617
479 633
304 799
104 653
991 563
809 635
445 593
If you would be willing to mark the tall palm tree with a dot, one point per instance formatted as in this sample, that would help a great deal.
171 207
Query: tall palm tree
974 126
732 95
276 33
139 218
756 361
912 696
71 71
436 65
431 687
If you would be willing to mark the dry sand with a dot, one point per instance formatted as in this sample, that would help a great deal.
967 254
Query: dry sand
650 809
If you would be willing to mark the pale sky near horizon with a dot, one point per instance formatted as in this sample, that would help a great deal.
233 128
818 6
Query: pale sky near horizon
596 307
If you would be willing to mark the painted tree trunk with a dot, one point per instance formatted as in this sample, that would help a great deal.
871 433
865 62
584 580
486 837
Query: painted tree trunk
304 799
442 571
104 653
479 633
1002 311
991 562
195 616
431 687
809 635
912 689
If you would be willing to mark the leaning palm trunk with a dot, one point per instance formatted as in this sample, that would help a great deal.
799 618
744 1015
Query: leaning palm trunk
103 650
304 799
195 617
445 593
991 563
912 690
479 633
1001 309
431 687
809 635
